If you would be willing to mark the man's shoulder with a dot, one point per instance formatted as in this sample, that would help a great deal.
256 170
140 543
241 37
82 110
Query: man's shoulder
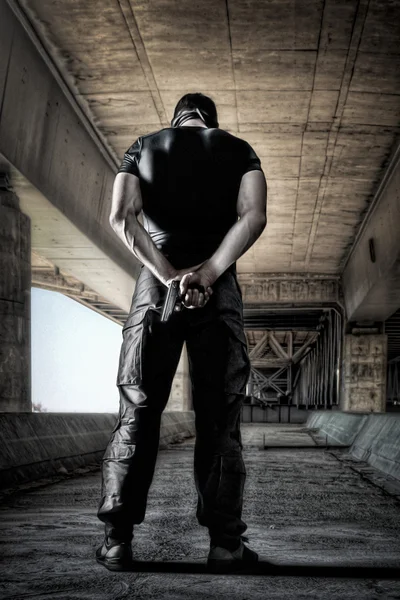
220 136
231 138
140 138
155 133
214 131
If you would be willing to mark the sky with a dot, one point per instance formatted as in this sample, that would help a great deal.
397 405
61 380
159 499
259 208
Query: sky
75 353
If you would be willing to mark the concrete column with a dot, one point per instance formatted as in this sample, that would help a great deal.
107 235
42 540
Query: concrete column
364 373
15 304
181 392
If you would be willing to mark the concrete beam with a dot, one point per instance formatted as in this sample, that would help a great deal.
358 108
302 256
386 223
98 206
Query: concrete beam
288 288
56 239
371 284
47 138
54 280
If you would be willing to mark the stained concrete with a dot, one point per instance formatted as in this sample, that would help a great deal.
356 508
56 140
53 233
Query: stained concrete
303 507
364 373
263 288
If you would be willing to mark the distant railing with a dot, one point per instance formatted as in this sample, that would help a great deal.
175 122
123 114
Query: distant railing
316 382
393 381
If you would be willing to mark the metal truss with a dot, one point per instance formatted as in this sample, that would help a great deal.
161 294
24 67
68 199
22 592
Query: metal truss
317 380
307 375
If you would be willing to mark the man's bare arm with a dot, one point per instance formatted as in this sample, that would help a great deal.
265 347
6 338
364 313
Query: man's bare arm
126 206
252 210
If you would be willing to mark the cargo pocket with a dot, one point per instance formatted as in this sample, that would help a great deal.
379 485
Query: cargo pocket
116 466
238 364
122 443
130 368
119 451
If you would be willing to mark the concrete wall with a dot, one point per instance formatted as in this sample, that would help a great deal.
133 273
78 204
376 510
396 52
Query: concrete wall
372 438
35 445
15 306
371 289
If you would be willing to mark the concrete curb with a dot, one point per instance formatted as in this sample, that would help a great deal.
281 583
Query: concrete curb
373 438
37 445
336 427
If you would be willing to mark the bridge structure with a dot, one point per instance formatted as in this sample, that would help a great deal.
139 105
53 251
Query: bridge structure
313 86
314 89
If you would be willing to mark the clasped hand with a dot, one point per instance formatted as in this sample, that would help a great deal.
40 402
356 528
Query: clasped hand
191 297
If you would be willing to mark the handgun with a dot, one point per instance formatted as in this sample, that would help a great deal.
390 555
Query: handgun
174 298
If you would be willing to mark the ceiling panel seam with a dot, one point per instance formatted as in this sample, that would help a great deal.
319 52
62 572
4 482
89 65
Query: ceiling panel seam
7 69
355 39
232 63
140 49
302 138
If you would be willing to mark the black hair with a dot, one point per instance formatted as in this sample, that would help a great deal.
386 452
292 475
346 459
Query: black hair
204 104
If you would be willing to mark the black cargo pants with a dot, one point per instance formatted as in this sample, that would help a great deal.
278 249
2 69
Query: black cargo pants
219 368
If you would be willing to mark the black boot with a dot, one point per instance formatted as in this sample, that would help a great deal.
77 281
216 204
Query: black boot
222 560
115 555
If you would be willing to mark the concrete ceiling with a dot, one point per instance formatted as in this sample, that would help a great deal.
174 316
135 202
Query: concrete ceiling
312 85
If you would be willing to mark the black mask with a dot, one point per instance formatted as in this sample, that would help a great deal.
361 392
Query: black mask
194 113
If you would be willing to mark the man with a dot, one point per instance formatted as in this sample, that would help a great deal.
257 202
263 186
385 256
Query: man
192 180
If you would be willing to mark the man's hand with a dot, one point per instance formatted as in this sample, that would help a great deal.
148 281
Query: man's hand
193 298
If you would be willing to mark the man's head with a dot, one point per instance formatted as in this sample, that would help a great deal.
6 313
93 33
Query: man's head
199 102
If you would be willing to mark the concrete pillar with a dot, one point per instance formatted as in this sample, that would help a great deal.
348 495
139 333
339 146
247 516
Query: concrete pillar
181 392
15 304
364 373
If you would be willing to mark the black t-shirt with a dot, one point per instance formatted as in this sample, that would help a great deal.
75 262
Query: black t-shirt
189 181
